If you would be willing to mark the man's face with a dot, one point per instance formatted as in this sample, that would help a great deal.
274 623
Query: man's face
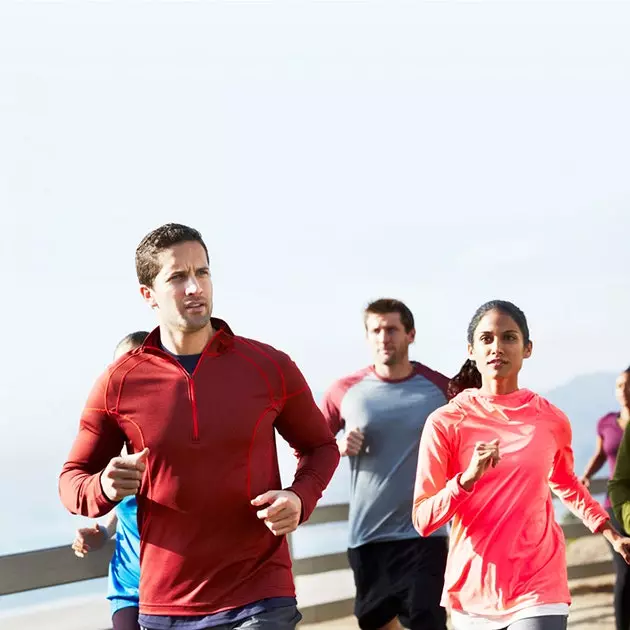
182 291
388 338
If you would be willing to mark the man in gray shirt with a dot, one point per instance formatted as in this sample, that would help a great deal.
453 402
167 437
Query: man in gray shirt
381 410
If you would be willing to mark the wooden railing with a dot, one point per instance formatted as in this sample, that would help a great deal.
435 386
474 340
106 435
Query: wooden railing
52 567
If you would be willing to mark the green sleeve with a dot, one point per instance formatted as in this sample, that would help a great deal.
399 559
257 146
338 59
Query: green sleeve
619 485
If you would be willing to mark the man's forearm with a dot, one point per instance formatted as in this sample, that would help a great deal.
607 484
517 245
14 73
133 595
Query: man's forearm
81 493
314 471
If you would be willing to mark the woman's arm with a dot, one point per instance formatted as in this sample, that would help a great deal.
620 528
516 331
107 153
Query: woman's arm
565 484
595 463
436 498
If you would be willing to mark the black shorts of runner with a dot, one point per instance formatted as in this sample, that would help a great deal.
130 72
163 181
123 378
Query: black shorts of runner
126 619
401 578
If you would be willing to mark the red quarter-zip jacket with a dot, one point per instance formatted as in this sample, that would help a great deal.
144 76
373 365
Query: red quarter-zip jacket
212 450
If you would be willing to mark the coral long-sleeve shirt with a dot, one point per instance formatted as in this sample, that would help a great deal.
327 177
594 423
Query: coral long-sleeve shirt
211 450
506 550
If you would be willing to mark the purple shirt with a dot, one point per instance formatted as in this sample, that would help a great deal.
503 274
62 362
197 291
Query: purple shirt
610 432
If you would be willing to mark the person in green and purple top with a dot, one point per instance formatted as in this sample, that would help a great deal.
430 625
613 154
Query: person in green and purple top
610 432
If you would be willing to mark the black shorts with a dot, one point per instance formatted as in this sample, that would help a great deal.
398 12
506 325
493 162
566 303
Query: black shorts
126 619
401 578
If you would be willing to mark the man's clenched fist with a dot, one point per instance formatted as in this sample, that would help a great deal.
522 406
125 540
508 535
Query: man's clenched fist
123 475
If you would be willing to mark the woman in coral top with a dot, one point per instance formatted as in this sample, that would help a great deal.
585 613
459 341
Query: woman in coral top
487 460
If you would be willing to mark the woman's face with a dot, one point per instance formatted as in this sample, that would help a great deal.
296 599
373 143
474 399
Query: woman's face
622 389
498 347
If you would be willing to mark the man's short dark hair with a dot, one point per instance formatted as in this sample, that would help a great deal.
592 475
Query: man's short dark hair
389 305
147 265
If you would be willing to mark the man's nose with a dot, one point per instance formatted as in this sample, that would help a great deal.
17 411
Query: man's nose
192 286
383 335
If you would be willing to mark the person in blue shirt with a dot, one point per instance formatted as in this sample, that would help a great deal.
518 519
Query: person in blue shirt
124 568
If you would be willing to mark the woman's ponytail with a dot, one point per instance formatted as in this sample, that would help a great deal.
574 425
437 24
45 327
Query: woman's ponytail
467 377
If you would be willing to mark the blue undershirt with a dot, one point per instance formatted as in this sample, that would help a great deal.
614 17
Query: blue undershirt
124 568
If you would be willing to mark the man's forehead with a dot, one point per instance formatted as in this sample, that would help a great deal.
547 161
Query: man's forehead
189 254
375 320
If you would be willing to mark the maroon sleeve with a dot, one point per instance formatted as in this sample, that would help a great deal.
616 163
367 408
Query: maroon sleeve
99 440
439 380
303 426
331 408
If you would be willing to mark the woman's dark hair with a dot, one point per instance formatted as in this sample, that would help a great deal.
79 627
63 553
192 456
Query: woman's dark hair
469 376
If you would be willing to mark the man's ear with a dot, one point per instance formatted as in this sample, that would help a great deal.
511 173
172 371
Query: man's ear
147 294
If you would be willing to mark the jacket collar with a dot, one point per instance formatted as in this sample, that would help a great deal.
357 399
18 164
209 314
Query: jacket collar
220 342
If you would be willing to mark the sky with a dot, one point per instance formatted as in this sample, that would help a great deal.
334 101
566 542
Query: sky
330 153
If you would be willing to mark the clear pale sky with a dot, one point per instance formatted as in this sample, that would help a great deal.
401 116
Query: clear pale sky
330 153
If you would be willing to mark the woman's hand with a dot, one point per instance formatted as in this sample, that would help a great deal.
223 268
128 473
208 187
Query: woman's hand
485 456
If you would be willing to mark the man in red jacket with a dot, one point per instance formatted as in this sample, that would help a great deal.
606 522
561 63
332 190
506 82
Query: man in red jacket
197 407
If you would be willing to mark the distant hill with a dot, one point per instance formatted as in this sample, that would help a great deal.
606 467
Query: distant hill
585 399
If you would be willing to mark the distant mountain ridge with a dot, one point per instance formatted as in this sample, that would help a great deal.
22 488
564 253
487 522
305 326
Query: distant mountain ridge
585 399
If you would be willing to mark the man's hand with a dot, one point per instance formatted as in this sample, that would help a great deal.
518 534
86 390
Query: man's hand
88 539
585 481
350 444
283 511
123 475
